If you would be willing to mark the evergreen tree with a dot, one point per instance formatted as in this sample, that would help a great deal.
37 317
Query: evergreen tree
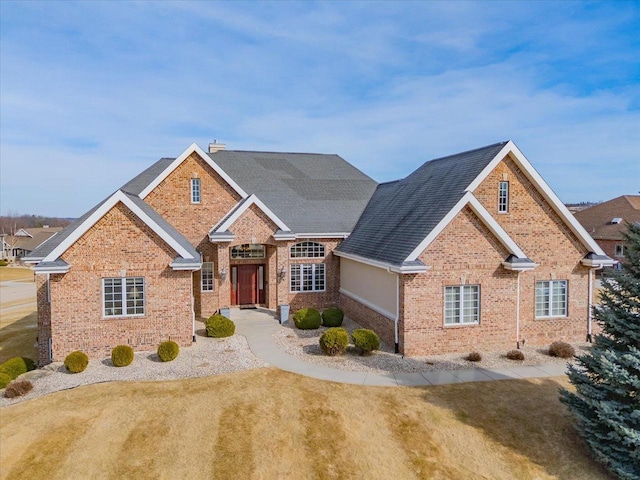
606 405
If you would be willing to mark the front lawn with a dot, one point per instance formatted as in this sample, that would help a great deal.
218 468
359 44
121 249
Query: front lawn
271 424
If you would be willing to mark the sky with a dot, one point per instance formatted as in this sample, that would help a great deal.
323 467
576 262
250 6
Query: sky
92 93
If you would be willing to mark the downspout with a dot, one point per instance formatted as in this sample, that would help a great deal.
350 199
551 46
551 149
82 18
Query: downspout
518 310
193 311
590 303
397 349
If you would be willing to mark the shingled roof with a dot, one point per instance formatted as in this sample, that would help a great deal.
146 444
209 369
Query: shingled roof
402 213
597 220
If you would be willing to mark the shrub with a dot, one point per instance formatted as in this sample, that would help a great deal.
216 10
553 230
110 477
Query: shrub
332 317
307 319
31 365
474 357
219 326
16 366
562 350
3 263
334 341
76 362
168 351
366 340
122 355
18 388
4 380
515 355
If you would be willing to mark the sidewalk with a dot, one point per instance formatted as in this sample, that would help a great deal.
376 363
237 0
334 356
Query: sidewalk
259 325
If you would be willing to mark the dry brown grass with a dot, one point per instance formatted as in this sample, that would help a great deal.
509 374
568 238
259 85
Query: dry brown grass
18 331
271 424
16 274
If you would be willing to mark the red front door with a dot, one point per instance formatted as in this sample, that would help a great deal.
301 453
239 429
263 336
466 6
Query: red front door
247 284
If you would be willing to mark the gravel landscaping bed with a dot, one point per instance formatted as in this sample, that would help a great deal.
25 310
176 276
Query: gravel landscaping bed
304 344
208 356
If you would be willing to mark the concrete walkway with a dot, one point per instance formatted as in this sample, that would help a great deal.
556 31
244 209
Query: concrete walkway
259 325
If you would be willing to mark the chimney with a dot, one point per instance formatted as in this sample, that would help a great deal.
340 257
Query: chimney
216 147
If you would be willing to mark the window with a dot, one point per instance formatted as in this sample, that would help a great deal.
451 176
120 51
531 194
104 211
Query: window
195 190
308 277
307 250
551 298
462 304
206 277
503 197
248 250
123 296
619 250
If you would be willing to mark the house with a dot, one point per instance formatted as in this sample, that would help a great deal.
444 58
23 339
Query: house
606 222
26 240
472 251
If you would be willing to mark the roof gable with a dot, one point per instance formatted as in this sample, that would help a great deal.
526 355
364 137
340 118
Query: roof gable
597 219
242 206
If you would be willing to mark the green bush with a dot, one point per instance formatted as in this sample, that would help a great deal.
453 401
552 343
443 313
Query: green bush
5 380
168 351
334 341
76 362
219 326
307 319
31 365
332 317
16 366
3 263
365 340
122 355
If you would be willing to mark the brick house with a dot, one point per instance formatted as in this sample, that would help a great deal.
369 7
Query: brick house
606 222
469 251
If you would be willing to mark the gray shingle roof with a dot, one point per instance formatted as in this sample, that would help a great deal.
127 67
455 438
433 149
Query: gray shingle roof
138 183
311 193
402 213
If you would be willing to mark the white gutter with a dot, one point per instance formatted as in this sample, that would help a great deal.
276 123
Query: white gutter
397 348
518 309
590 303
193 310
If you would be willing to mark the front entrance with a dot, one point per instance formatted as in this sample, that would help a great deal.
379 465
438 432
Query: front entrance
247 284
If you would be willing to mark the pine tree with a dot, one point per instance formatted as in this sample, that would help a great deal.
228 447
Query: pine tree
606 405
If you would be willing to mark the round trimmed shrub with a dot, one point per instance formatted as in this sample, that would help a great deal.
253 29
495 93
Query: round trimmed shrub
307 319
219 326
122 355
562 350
332 317
5 380
474 357
3 263
14 367
365 340
334 341
31 365
168 351
76 362
515 355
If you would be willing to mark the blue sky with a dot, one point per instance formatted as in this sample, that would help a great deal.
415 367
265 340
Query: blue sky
91 93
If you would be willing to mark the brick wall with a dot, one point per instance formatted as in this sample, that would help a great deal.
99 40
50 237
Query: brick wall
118 245
369 318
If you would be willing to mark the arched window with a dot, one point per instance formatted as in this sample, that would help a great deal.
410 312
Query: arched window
307 250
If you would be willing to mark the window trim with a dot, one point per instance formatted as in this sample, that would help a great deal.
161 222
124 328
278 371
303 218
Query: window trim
123 299
461 289
202 278
264 251
622 249
196 191
503 196
308 246
315 279
552 313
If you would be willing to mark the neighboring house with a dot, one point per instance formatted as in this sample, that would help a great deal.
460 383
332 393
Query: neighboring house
606 222
26 240
472 251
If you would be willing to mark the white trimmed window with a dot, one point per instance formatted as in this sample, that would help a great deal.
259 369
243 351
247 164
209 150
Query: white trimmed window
619 250
123 297
503 197
307 250
206 277
308 277
462 305
195 190
248 250
551 298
